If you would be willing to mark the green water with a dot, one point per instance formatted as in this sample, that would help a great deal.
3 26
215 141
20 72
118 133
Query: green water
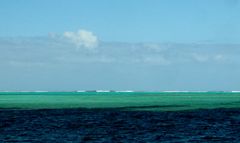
154 101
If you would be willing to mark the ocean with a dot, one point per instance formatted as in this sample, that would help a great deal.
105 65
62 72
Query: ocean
154 101
119 116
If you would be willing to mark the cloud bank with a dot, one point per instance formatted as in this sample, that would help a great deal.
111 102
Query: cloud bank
54 63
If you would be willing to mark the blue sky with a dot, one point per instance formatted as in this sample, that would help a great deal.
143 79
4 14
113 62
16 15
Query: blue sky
126 20
149 45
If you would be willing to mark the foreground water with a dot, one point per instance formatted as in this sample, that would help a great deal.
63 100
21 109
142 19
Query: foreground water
77 125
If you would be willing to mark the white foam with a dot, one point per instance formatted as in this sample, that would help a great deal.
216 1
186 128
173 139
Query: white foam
25 91
40 91
236 91
175 91
102 90
125 91
80 91
185 91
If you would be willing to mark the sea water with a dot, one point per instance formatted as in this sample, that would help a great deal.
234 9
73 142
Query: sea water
119 117
157 101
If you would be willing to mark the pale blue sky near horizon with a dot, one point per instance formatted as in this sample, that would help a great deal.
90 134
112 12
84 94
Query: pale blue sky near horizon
125 20
149 45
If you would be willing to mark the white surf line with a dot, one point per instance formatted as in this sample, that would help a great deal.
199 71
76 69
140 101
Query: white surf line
235 91
102 90
125 91
80 91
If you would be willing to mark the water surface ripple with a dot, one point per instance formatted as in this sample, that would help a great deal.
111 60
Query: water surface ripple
85 125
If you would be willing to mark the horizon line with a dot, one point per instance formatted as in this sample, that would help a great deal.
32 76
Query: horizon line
106 91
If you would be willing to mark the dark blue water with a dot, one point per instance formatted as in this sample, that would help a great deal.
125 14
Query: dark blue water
78 125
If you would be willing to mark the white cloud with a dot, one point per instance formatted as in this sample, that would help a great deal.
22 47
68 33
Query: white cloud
82 38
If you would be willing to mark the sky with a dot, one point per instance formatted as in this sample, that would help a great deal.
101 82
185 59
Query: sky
124 20
146 45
